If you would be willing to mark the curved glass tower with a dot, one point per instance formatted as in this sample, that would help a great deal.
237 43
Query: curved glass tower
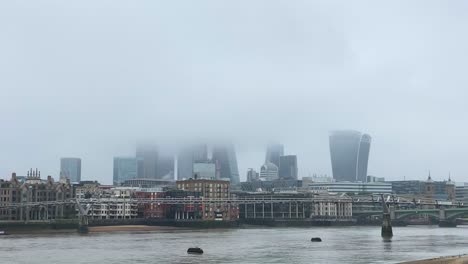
349 151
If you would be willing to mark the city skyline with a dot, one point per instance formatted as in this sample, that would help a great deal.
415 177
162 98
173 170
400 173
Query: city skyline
92 86
202 155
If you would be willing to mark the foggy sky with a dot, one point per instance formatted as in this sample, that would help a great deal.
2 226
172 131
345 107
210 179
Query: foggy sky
90 79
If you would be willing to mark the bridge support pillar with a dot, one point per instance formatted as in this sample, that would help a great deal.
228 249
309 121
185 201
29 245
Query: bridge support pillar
443 221
83 224
387 231
447 223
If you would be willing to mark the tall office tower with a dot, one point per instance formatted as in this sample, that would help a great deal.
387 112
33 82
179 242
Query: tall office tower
125 168
71 168
187 156
349 152
148 161
225 158
288 167
273 153
165 167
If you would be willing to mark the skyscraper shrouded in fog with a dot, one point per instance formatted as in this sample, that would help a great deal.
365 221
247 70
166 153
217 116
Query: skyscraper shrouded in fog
125 168
288 167
273 153
165 167
225 158
147 155
70 168
349 152
187 157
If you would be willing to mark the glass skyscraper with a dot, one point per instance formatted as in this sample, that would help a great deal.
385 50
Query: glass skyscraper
187 157
148 161
288 167
225 158
165 166
70 168
349 151
125 168
273 154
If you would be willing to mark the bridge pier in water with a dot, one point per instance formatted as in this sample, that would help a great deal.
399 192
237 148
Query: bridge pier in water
444 222
83 218
387 230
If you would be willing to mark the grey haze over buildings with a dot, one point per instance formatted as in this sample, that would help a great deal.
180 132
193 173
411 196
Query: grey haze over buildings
91 79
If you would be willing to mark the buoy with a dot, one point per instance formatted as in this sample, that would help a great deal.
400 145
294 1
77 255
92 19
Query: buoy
316 239
195 250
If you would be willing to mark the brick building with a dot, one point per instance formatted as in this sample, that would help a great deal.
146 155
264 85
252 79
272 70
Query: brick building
209 189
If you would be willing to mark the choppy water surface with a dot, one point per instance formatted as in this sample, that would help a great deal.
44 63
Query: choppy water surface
250 245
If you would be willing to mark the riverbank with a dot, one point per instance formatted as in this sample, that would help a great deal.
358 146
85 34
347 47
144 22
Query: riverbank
127 228
462 259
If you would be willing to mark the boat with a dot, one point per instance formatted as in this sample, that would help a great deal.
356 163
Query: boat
3 233
316 239
195 250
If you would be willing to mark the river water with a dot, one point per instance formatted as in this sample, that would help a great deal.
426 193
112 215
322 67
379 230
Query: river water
246 245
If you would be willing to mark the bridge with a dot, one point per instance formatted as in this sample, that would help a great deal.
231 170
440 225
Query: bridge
262 207
446 214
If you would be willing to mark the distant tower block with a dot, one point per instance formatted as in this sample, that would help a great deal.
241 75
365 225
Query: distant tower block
349 152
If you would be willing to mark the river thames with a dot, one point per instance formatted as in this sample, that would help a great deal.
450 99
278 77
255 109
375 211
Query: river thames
245 245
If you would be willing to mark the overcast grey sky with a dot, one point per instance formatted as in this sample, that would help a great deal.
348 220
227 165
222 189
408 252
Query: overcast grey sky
91 78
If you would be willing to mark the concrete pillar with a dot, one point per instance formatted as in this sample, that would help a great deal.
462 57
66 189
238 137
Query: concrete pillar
263 210
254 213
387 231
245 209
289 210
442 215
297 210
272 211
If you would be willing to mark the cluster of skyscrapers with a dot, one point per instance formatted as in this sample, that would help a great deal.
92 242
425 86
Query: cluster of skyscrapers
277 166
190 162
349 152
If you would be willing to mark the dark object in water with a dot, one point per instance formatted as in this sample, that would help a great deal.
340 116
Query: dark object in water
195 250
316 239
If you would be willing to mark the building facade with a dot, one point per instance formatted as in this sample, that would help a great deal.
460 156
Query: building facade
349 152
70 168
430 189
211 189
269 172
204 170
125 168
252 175
225 159
273 154
187 156
165 167
288 167
350 187
36 190
147 156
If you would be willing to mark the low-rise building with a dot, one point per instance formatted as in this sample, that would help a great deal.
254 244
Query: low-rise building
350 187
211 189
35 190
